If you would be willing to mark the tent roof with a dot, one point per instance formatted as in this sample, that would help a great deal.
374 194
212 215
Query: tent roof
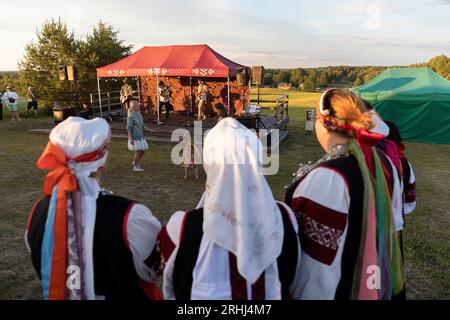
406 84
175 61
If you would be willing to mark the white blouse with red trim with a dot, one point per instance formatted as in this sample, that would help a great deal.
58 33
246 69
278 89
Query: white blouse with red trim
211 274
322 202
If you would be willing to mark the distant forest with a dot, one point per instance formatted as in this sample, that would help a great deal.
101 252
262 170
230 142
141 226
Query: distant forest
307 79
311 79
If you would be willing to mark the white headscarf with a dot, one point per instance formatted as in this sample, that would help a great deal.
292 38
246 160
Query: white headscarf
77 136
240 212
380 126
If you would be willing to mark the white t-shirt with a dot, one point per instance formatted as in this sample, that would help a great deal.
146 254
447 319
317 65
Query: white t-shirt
10 95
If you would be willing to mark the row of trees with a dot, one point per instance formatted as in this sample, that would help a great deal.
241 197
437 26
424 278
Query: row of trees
309 79
10 79
55 45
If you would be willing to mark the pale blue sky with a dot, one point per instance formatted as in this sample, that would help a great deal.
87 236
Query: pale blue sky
283 33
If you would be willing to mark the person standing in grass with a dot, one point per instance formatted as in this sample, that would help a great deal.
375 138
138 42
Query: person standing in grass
394 149
32 102
1 106
189 156
136 139
11 99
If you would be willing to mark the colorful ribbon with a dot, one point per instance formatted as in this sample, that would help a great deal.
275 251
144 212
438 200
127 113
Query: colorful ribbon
379 246
61 178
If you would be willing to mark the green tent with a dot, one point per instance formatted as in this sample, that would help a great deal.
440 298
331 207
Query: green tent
416 99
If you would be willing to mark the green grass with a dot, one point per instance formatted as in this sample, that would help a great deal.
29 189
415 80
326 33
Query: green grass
163 189
22 109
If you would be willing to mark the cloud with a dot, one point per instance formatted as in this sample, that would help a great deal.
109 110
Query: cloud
440 2
288 33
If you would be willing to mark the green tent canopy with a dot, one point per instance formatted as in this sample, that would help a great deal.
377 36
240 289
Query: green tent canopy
416 99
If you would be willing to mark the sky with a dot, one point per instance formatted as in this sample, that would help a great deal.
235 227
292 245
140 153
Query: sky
276 34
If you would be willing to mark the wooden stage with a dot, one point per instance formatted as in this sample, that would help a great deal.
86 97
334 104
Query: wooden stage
163 131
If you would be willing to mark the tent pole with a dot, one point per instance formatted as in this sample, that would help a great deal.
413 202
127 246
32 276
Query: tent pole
191 112
139 90
157 96
228 104
99 97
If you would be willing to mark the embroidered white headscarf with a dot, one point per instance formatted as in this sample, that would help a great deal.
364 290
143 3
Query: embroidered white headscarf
240 212
77 136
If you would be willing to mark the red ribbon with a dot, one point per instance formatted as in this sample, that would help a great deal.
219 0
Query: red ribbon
401 149
366 141
54 160
368 138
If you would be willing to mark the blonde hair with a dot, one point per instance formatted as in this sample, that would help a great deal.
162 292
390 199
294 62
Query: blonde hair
348 107
132 104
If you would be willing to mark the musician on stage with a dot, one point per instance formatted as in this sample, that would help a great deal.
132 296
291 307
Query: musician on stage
164 98
126 94
201 99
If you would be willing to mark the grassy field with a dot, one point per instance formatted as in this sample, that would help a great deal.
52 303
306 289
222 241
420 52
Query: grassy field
163 189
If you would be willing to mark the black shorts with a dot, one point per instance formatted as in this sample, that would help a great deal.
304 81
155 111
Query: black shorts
32 105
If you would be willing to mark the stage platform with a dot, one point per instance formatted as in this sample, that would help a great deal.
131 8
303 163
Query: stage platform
162 132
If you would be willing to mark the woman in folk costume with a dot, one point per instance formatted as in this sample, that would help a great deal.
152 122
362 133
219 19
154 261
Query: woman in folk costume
239 243
394 148
342 202
405 197
394 173
86 243
392 170
403 179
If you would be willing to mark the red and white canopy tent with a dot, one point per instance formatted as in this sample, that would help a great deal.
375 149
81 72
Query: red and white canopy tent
199 61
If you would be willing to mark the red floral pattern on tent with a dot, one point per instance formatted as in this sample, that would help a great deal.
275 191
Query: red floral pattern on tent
174 61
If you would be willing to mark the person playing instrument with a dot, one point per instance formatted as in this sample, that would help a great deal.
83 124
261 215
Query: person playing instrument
11 99
343 206
164 98
32 102
221 111
126 94
85 242
202 98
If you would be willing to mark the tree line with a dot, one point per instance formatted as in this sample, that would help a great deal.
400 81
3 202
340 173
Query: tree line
56 45
310 79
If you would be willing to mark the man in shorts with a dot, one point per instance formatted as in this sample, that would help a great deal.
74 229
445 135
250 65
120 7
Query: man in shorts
32 102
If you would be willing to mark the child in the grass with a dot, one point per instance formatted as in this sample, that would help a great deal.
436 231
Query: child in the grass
189 160
136 140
